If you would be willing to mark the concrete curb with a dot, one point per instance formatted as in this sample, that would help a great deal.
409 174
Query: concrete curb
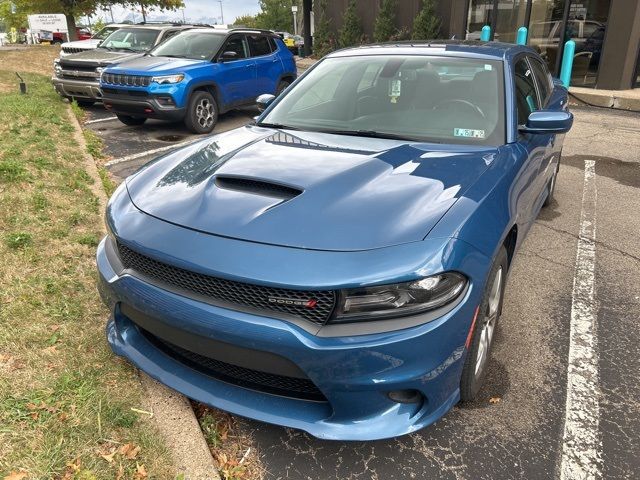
616 99
172 412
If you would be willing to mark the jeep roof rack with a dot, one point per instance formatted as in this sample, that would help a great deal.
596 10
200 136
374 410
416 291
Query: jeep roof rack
247 29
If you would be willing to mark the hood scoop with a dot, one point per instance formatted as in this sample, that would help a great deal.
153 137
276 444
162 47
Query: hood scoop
257 187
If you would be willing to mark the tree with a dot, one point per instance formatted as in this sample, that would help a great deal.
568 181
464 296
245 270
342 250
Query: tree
146 5
351 31
323 42
385 25
17 19
248 21
426 25
275 15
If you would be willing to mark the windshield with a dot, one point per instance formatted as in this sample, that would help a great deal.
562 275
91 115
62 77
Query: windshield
134 39
104 33
434 99
190 44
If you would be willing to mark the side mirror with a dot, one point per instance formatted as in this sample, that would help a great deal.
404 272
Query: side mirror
228 55
548 121
263 101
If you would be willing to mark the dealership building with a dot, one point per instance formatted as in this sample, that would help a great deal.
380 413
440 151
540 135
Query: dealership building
606 32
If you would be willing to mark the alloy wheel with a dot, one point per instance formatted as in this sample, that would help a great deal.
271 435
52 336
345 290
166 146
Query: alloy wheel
205 112
489 323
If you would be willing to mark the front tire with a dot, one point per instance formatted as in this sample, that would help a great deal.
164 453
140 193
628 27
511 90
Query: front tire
475 365
282 86
202 114
552 188
84 103
131 121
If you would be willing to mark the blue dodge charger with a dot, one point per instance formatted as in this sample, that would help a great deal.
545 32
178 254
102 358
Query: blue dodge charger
339 265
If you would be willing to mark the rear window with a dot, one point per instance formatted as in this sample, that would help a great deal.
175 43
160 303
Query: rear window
259 45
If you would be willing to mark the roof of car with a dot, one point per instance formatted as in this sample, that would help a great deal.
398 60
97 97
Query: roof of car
453 48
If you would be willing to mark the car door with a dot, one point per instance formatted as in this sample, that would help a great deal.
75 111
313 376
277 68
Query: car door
544 84
268 64
237 77
534 145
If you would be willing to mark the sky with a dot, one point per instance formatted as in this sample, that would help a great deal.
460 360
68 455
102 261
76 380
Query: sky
196 10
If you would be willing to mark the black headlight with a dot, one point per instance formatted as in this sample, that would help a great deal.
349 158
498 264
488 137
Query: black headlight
400 299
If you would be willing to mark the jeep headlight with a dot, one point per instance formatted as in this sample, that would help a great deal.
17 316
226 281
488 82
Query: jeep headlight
56 67
400 299
166 79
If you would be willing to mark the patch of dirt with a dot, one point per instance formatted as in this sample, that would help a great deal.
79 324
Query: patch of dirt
32 59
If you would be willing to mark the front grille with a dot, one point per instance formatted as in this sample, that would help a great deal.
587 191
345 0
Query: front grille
129 80
79 66
270 299
301 388
73 50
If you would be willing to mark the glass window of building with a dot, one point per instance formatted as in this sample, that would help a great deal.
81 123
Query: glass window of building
511 15
587 25
480 14
545 27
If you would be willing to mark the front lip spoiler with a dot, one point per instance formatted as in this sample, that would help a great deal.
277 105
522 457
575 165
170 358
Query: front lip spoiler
314 418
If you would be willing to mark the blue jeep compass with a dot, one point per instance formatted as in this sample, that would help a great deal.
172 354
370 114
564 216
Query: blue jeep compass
196 75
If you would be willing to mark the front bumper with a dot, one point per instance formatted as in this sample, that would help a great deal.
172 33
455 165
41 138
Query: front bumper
77 88
145 106
354 373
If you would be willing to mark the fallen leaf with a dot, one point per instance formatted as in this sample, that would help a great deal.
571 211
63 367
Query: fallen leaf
494 400
55 328
141 472
62 416
16 475
51 349
120 472
109 457
129 450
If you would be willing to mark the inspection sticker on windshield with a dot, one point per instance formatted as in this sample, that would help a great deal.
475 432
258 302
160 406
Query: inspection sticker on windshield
395 88
468 133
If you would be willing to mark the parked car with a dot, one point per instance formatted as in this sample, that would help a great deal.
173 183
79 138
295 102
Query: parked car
81 32
289 41
77 76
197 75
339 266
92 43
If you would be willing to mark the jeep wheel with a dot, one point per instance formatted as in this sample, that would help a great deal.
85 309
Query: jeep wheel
282 86
131 121
202 114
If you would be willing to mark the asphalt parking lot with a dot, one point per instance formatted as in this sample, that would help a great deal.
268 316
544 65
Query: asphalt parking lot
577 269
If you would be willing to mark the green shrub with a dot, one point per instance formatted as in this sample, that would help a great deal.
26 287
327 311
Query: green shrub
385 26
351 32
426 25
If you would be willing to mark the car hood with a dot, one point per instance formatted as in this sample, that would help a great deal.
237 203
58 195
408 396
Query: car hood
308 190
157 65
100 57
89 43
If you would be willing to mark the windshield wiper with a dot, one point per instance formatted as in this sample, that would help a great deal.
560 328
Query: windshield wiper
173 56
277 125
368 133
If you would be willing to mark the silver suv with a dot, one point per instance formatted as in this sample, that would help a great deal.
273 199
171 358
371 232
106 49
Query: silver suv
77 76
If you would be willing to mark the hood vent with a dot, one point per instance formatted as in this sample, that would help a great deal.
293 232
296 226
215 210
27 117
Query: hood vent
257 187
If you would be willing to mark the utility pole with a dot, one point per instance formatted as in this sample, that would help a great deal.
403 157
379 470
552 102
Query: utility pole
221 13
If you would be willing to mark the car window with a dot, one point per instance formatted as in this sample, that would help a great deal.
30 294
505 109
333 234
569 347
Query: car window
423 98
168 34
196 45
104 33
258 45
237 44
136 39
526 98
543 78
272 44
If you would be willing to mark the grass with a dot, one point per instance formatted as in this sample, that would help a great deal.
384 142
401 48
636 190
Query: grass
65 400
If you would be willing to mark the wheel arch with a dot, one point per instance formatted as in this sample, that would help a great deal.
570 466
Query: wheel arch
211 87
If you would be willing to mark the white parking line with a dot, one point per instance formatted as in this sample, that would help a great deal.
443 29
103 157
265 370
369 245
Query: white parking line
135 156
98 120
581 457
